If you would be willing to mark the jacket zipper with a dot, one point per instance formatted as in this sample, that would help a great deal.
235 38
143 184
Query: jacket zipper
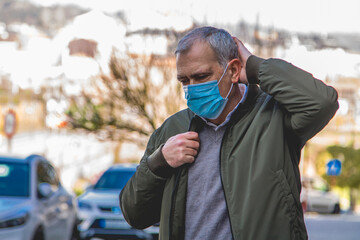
221 179
222 183
172 205
173 194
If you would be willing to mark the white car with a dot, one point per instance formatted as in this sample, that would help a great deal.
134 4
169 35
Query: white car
99 210
33 204
317 197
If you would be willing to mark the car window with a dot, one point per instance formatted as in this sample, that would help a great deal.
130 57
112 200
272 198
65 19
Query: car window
14 179
47 174
315 184
114 179
53 176
318 184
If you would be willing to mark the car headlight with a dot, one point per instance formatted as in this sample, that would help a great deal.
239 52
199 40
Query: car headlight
15 220
84 206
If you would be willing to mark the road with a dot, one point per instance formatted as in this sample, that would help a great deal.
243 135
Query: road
333 227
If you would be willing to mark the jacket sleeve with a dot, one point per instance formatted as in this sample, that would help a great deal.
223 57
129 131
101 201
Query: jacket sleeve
140 199
310 104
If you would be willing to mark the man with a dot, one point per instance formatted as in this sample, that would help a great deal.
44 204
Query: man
227 167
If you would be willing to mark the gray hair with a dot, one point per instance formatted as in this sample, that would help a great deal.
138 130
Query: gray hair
220 41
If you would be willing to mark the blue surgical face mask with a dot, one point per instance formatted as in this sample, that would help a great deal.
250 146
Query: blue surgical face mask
204 99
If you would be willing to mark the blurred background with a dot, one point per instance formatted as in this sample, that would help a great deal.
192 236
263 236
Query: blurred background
85 82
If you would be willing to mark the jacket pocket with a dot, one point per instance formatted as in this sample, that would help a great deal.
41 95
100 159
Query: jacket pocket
288 201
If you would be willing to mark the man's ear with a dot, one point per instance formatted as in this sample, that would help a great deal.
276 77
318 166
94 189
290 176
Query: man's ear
235 67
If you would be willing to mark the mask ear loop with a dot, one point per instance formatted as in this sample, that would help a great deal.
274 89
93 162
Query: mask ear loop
229 91
227 65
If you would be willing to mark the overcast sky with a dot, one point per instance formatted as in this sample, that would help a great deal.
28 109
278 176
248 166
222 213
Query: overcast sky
320 16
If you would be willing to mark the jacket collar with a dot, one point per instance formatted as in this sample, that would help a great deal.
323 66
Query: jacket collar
252 95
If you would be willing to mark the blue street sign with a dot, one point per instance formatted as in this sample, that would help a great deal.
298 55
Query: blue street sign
333 167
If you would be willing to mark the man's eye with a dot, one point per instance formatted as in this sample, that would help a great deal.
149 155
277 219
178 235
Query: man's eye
200 77
184 81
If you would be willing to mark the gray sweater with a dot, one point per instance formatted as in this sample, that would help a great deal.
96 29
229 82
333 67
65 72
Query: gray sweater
206 214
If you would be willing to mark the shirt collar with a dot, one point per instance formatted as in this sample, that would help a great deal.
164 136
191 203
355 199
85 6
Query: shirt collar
227 119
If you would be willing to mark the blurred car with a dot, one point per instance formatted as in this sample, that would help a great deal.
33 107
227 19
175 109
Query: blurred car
317 197
99 210
33 203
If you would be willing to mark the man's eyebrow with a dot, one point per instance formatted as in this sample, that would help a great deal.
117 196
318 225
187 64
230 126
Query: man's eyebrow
198 74
179 77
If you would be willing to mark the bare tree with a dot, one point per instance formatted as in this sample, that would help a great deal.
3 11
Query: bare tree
131 102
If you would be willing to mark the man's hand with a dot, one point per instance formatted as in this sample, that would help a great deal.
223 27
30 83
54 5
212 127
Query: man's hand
181 149
244 54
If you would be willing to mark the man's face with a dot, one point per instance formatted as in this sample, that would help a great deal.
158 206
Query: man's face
199 65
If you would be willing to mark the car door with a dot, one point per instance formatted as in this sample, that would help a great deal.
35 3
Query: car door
54 228
319 197
66 211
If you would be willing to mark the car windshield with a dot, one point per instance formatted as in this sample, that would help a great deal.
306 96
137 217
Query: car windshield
114 179
14 179
316 184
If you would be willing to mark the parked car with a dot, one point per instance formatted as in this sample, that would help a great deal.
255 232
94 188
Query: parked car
317 197
99 211
33 203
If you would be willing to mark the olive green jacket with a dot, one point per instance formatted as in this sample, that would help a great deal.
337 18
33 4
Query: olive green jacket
259 158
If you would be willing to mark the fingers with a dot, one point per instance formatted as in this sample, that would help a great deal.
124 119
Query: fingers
238 42
192 136
193 140
189 159
244 53
190 151
181 149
